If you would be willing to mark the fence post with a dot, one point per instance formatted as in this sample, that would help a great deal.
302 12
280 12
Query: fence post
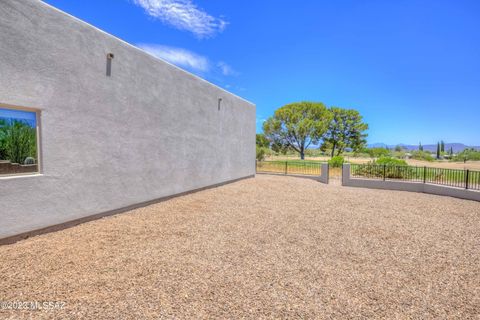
328 172
384 171
342 171
467 178
425 174
286 167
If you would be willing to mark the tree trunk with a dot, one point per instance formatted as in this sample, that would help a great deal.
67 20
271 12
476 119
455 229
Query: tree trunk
302 154
333 150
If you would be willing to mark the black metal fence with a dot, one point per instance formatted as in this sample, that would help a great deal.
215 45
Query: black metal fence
290 167
468 179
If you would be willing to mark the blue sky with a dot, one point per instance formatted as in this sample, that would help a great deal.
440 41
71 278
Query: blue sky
29 117
412 68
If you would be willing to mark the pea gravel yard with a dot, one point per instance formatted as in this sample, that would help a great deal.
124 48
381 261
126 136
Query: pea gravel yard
266 247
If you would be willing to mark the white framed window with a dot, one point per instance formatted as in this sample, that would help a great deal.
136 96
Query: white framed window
19 140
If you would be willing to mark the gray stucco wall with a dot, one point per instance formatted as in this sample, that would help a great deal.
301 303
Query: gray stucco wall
149 131
323 177
324 173
407 186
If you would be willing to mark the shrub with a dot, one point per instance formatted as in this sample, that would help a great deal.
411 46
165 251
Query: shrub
397 154
369 170
422 155
336 162
378 152
395 168
261 153
389 161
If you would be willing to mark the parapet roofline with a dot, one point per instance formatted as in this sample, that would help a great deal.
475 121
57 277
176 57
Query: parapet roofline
144 52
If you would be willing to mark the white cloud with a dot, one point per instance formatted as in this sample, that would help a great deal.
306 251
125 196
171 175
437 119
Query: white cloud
178 56
183 15
190 60
226 69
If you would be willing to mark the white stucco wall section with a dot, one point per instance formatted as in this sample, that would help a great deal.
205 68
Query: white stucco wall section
149 131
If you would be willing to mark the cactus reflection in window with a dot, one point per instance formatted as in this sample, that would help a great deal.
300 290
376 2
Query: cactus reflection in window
18 141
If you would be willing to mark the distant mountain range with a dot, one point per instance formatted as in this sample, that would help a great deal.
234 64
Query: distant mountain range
457 147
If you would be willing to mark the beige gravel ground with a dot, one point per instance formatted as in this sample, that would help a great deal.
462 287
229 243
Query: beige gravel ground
269 247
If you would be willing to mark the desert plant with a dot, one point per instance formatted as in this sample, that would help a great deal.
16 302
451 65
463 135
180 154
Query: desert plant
3 129
422 155
29 160
18 141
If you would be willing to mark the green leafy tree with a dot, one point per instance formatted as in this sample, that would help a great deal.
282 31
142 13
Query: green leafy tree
262 141
438 150
420 147
468 155
297 125
279 147
442 146
345 130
